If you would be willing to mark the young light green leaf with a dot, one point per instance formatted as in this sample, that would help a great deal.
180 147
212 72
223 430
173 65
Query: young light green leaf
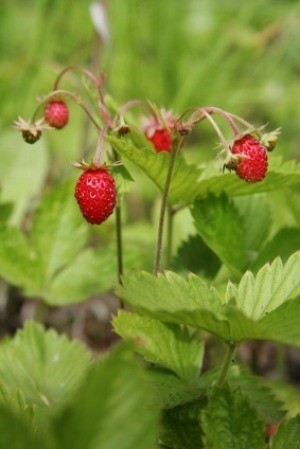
229 421
219 224
273 285
46 367
167 345
58 231
288 435
184 182
114 408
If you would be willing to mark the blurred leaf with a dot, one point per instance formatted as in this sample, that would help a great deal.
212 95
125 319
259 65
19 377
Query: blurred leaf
288 435
167 345
46 367
195 256
5 211
230 421
181 426
18 265
58 231
123 179
155 165
113 408
283 244
14 433
219 224
22 171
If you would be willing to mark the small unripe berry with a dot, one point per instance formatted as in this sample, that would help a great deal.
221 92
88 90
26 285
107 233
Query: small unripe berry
57 114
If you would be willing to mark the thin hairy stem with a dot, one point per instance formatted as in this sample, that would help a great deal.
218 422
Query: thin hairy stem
176 145
100 146
53 95
217 129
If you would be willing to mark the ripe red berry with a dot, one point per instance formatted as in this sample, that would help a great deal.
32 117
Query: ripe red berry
96 193
271 429
57 114
161 140
253 166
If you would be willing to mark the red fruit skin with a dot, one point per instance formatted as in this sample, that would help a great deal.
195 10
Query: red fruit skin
161 140
252 168
95 193
57 114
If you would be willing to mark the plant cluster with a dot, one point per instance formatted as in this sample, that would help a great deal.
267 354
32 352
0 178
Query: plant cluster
156 388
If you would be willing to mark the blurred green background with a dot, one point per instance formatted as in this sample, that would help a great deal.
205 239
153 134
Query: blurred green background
240 56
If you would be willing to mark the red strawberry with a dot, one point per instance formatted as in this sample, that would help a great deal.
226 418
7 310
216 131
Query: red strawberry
156 132
96 193
161 140
57 114
271 429
253 166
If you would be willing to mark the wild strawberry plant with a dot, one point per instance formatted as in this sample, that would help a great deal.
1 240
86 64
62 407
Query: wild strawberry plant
178 380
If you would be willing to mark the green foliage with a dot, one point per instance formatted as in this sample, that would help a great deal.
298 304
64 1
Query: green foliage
39 371
288 435
230 421
113 408
253 310
220 226
167 345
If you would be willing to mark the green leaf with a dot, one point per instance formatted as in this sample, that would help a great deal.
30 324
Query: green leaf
230 422
219 224
195 256
164 344
18 265
253 310
288 435
181 426
113 409
14 433
58 231
92 272
273 285
280 175
183 187
122 178
22 171
255 213
6 210
189 302
46 367
283 244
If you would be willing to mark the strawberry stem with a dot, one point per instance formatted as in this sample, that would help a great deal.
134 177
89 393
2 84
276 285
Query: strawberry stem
100 146
226 364
217 129
98 82
177 143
